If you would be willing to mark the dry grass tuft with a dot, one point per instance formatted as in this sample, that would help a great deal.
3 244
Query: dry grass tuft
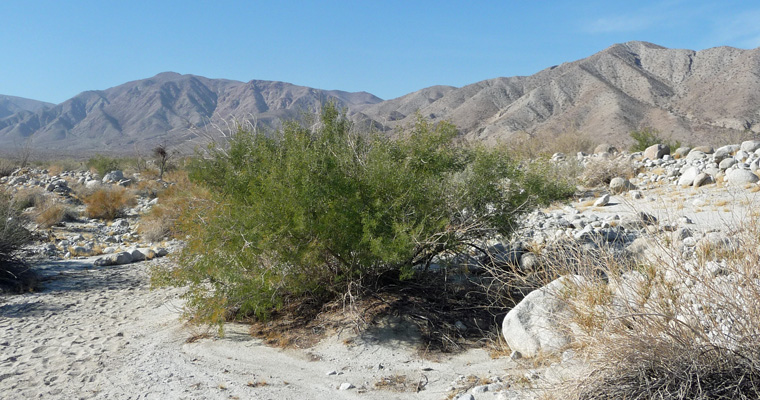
108 203
53 212
674 328
600 171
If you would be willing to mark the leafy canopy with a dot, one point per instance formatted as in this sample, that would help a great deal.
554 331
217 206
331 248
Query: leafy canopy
312 210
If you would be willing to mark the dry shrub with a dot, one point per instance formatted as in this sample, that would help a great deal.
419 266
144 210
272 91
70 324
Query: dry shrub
109 202
179 197
6 167
599 171
46 209
29 197
53 212
674 328
15 276
530 146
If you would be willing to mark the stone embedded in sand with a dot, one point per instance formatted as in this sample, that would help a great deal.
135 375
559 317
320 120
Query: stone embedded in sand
346 386
536 323
602 201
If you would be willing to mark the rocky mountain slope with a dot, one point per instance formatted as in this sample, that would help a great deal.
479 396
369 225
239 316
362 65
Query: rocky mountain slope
167 107
10 105
683 93
687 95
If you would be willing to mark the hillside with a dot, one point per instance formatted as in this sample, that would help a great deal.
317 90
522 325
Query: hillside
11 104
167 107
685 94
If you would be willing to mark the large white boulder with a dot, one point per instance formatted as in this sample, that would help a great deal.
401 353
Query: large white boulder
538 322
741 177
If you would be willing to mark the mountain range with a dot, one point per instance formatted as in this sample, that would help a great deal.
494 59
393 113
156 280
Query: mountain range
686 95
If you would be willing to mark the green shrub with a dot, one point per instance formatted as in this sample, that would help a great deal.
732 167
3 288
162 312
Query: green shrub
104 164
307 214
647 137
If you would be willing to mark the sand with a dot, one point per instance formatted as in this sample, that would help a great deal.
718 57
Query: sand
100 332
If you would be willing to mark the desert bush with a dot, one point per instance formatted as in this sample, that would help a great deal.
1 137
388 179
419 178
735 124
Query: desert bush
524 146
314 213
6 167
599 171
13 236
104 164
108 203
29 197
53 211
647 136
162 220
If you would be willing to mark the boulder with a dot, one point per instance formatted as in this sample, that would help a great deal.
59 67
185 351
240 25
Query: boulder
750 146
113 176
724 152
696 155
602 201
727 163
688 176
605 148
656 151
702 179
682 152
137 255
539 322
741 177
704 149
619 185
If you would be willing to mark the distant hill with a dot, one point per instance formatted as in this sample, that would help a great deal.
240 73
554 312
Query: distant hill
686 95
11 104
167 107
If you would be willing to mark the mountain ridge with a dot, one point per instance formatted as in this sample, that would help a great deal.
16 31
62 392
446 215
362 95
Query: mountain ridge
685 94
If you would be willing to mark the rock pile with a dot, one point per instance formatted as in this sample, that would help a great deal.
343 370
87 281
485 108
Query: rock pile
118 241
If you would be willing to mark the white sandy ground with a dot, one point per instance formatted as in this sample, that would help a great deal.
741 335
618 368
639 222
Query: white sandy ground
100 332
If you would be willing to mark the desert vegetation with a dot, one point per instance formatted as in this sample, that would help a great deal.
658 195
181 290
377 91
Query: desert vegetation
14 274
318 211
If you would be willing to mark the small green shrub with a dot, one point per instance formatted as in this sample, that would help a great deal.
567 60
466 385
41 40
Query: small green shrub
310 214
647 137
104 164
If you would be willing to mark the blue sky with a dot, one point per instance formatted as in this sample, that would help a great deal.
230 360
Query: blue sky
53 50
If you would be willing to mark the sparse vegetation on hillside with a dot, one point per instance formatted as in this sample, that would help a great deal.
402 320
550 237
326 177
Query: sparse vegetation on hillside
310 214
